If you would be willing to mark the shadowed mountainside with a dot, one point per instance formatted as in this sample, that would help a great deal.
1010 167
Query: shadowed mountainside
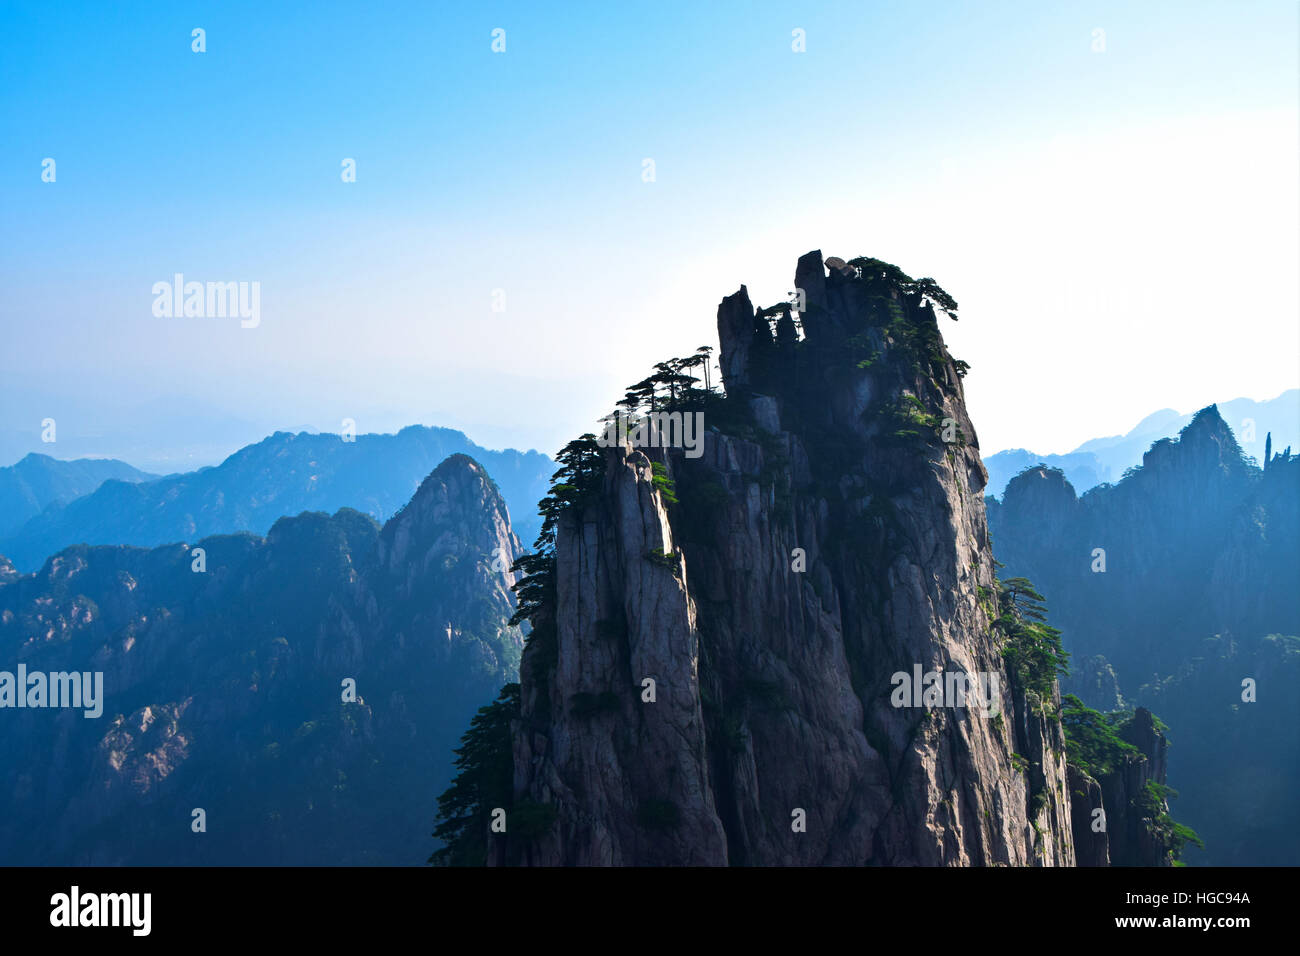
224 687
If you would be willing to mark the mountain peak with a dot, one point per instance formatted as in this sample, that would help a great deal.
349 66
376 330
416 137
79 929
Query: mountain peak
1208 419
1207 440
459 462
457 507
459 475
1040 480
829 533
33 458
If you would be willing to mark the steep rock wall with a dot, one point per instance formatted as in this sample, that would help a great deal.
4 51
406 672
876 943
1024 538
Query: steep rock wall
827 538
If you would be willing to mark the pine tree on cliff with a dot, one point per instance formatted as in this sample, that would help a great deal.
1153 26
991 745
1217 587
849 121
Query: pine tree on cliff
483 782
1031 647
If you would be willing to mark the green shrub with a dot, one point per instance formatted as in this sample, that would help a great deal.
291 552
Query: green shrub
665 559
1092 741
667 487
1030 646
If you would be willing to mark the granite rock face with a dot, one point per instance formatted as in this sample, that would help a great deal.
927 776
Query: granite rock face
1091 845
831 535
1131 835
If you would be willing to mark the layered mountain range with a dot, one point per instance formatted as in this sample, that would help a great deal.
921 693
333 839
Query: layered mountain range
1105 460
765 627
292 698
282 475
38 481
720 641
1177 588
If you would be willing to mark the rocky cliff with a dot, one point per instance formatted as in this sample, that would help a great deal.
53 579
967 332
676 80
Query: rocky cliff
711 677
1119 801
223 685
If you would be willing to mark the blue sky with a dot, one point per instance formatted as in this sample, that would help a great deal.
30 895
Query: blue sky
1120 226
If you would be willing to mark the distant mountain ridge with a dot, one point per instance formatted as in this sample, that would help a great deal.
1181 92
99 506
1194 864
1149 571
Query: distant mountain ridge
28 487
1173 588
225 688
1101 460
283 474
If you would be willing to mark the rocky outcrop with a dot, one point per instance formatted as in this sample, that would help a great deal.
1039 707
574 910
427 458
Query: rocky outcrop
717 681
735 330
1091 846
1133 828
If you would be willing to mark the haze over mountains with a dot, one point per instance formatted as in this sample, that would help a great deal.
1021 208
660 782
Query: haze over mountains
165 434
834 532
282 475
224 686
37 481
1174 587
1106 459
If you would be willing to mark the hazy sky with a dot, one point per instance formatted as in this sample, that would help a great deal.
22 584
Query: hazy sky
1121 227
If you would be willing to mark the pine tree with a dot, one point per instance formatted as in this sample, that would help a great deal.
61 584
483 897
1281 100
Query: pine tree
484 781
